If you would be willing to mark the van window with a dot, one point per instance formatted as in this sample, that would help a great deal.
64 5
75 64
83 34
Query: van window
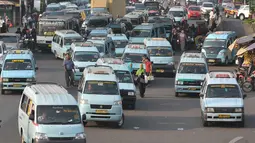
194 68
61 42
101 87
55 38
24 102
161 31
1 47
18 64
30 107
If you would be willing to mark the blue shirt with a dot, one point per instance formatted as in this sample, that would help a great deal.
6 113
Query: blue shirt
68 64
130 68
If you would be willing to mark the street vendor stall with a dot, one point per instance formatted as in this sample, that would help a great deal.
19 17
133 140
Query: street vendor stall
248 53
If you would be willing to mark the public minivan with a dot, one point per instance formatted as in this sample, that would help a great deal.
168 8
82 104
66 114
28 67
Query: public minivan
3 51
105 46
62 41
99 96
48 113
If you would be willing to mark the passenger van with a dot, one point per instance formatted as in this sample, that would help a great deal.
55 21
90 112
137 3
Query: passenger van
148 30
215 47
125 79
161 54
62 41
135 17
99 96
3 51
18 70
83 54
120 41
190 73
99 32
179 13
104 45
48 113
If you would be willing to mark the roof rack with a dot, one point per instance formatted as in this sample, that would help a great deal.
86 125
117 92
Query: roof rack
84 44
98 38
12 51
193 55
112 61
100 69
222 74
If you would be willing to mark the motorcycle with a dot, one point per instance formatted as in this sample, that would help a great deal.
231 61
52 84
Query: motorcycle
249 83
141 85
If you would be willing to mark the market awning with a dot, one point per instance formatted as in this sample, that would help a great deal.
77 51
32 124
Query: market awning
6 3
232 46
245 39
251 47
241 51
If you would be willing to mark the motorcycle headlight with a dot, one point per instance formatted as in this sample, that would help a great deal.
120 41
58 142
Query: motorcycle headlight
180 82
5 79
238 110
117 102
41 136
80 136
209 110
84 101
131 93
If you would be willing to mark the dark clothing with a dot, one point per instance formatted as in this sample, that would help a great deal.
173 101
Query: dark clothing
174 41
69 77
240 61
18 32
24 31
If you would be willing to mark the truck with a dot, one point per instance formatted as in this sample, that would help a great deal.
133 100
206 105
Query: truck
114 7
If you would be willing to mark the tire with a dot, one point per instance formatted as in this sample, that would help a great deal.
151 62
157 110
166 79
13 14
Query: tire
55 54
120 123
2 91
241 17
176 94
247 87
204 123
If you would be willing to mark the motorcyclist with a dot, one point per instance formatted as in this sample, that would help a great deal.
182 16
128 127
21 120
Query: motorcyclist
33 34
24 30
193 29
18 31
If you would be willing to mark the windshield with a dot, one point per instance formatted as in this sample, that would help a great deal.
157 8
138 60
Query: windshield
140 33
120 44
237 6
226 1
152 8
97 23
102 10
18 64
54 13
214 43
116 30
194 8
69 41
177 13
207 5
223 91
192 68
134 21
160 51
133 57
58 114
100 47
53 9
140 7
48 28
9 39
101 87
124 76
85 56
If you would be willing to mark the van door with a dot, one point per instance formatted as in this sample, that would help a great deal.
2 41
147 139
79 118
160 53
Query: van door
61 49
54 45
31 123
229 53
23 117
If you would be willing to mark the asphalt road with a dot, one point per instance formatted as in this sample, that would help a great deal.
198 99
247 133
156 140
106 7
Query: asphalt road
159 118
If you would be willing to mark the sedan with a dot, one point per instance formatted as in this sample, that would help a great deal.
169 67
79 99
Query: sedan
207 7
194 12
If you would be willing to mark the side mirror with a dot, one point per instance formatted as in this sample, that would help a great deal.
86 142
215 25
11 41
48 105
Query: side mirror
244 96
36 68
31 117
201 95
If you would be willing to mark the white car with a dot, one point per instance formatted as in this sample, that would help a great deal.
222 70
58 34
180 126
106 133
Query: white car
207 7
243 12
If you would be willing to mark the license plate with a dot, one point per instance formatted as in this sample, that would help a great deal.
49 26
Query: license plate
211 61
17 85
224 116
161 71
101 111
49 46
193 88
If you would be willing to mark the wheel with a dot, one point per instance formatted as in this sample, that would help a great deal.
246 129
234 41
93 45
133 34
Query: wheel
56 55
204 123
241 17
247 87
120 123
176 94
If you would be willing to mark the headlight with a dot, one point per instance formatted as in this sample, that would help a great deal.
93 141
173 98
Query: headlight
238 110
80 136
171 63
41 136
30 79
179 82
5 79
84 101
209 110
117 102
131 93
76 67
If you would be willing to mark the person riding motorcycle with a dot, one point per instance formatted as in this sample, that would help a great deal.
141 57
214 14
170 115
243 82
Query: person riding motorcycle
19 32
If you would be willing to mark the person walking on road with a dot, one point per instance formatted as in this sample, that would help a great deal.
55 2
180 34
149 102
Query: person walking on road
211 18
69 68
182 40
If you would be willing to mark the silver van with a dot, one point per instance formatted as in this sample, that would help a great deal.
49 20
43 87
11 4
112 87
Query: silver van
48 113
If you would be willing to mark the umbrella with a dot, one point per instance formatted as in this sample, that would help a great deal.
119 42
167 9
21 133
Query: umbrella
251 47
245 39
241 51
232 46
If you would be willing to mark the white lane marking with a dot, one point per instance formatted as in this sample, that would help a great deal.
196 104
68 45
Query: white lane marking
236 139
163 123
180 123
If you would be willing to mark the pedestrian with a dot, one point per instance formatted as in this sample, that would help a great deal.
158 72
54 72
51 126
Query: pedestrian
69 68
211 17
148 67
240 60
33 34
182 38
174 40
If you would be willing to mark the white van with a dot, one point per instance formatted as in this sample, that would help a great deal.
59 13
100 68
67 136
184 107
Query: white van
48 113
62 41
3 51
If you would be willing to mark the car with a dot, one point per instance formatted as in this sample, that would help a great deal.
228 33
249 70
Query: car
11 40
206 7
243 12
194 12
221 99
232 12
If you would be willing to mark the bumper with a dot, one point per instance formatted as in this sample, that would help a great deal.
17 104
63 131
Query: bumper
114 114
44 45
14 85
214 61
187 89
233 117
194 16
127 99
58 141
163 69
